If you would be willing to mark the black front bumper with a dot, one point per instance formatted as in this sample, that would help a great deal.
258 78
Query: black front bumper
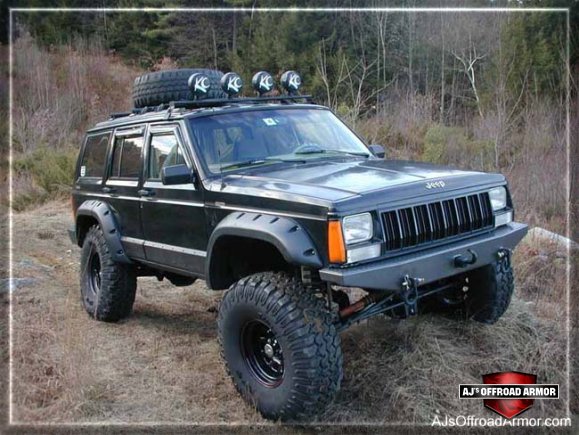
430 265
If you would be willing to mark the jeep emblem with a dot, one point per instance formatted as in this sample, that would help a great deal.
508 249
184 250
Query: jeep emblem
435 184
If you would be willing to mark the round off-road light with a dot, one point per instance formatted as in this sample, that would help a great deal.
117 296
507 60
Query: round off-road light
291 81
262 82
199 85
231 83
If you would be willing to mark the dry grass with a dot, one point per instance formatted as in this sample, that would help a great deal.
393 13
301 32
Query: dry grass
61 92
162 364
409 371
58 94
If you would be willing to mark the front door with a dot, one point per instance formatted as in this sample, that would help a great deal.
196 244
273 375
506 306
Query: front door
173 217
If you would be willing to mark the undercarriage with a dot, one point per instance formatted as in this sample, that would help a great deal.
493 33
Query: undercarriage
405 302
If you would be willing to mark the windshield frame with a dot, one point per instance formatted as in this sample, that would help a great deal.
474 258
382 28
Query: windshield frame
206 173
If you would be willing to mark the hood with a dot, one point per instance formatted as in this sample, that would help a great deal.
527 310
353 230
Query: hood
333 182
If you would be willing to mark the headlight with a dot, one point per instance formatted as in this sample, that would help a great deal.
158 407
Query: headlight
357 228
498 197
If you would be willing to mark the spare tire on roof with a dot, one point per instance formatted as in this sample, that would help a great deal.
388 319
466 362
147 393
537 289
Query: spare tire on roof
162 87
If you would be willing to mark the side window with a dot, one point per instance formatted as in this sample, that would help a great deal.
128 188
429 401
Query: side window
127 157
94 155
164 152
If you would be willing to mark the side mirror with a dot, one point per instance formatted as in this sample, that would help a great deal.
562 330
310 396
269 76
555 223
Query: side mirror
377 150
176 174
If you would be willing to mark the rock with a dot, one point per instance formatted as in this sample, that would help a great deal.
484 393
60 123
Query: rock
541 234
16 283
30 263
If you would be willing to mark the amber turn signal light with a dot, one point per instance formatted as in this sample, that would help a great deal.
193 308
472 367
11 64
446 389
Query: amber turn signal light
336 248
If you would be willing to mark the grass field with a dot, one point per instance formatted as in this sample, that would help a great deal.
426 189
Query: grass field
162 364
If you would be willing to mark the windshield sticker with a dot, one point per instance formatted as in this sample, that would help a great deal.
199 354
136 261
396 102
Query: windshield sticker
269 121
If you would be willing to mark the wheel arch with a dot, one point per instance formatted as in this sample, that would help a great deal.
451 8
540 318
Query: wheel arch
95 212
281 237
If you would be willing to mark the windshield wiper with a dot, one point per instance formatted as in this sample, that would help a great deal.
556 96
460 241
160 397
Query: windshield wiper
325 151
255 162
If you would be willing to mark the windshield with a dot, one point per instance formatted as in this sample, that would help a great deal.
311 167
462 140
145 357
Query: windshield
257 137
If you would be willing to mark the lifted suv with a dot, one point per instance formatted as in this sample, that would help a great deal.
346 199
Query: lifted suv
276 200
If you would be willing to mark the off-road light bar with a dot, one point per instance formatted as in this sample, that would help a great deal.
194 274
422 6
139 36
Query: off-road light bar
199 85
262 82
291 82
231 84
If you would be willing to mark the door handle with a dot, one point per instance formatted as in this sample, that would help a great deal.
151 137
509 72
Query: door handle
145 192
109 189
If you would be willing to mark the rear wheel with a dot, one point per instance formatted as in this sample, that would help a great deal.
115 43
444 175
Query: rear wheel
280 346
107 288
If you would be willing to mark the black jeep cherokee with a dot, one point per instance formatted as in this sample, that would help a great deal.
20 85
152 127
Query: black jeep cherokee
276 200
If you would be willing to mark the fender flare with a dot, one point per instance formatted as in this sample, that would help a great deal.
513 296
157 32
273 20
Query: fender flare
285 234
105 216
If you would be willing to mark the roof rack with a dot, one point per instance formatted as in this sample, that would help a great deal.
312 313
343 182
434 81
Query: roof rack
216 102
212 102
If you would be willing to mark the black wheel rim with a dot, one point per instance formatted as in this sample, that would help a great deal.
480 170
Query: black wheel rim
262 353
94 271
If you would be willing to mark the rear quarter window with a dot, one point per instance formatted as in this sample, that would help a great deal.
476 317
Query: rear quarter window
94 156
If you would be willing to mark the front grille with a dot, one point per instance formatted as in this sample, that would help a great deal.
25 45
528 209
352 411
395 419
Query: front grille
424 223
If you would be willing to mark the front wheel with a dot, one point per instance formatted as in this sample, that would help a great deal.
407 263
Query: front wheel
490 290
483 294
280 346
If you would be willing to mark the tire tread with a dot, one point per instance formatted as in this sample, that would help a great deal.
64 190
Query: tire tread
314 342
162 87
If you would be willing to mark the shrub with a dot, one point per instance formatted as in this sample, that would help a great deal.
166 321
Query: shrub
49 173
452 146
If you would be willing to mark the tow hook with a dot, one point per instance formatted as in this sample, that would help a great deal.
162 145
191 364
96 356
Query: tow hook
463 261
504 254
409 293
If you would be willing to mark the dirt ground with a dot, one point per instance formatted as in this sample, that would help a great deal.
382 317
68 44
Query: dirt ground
162 364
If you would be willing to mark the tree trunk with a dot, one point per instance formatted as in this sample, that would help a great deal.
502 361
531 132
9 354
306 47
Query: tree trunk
442 79
234 38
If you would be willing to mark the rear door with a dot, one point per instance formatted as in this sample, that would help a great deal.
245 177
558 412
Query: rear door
173 217
122 184
91 167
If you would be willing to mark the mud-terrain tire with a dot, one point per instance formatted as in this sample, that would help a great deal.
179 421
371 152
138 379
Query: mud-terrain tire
162 87
274 308
490 291
107 288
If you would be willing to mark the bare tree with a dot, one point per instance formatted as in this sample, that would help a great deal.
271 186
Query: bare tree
468 58
442 68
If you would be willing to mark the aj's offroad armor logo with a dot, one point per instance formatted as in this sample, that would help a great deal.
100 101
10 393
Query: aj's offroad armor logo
509 393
